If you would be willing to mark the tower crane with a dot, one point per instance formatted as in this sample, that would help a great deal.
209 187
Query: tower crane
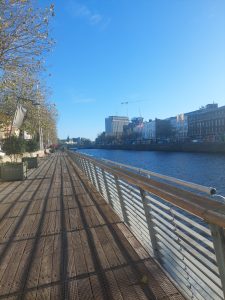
128 102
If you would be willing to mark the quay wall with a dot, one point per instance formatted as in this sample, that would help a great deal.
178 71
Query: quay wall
184 147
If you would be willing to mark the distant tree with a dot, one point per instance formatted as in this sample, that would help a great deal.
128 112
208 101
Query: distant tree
100 139
85 141
130 137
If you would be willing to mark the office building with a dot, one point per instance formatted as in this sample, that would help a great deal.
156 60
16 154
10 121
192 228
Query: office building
114 125
149 130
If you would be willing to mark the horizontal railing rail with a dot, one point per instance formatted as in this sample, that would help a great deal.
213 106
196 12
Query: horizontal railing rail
183 183
182 230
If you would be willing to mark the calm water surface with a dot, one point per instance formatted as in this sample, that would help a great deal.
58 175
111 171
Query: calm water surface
206 169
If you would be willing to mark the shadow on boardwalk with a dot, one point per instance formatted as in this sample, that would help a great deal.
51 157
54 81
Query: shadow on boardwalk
60 240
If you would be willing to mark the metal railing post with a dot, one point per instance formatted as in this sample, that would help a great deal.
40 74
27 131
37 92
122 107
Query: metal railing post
121 200
98 181
85 168
218 237
150 225
92 174
107 189
89 175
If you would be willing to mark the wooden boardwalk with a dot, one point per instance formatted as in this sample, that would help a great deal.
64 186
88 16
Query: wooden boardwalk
60 240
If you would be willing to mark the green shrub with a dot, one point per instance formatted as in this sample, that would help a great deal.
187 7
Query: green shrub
14 147
31 146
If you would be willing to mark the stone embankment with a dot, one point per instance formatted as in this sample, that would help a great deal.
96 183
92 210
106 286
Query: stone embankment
182 147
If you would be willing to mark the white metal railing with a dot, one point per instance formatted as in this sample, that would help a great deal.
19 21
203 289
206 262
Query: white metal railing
184 232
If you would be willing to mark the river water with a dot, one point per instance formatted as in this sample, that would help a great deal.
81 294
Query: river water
201 168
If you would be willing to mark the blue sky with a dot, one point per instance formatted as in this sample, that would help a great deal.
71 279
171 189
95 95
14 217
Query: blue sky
167 54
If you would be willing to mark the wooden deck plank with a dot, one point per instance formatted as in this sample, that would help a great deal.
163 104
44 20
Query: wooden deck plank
87 252
6 228
5 263
114 288
36 207
17 210
75 250
45 275
102 256
73 290
126 286
3 208
13 264
114 246
84 289
36 265
16 282
55 276
96 288
73 219
107 248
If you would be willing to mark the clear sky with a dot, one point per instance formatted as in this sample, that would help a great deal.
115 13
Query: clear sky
167 54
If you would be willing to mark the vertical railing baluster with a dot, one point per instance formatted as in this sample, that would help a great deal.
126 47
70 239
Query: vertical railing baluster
98 180
83 166
150 225
121 200
88 170
94 175
218 237
91 172
107 189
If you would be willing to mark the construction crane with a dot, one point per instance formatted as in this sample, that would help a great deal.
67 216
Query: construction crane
128 102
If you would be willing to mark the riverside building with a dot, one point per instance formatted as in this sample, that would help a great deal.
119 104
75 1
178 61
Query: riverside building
149 130
114 125
207 123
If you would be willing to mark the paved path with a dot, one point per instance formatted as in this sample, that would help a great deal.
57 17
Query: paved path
60 240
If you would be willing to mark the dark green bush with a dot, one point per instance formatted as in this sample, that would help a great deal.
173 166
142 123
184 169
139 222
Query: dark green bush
31 145
14 147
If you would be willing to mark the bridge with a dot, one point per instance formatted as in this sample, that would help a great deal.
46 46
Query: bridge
79 228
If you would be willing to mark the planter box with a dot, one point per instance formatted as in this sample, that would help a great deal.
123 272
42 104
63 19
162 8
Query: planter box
32 162
13 171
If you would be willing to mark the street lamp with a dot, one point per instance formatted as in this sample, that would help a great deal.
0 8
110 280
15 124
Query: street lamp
40 131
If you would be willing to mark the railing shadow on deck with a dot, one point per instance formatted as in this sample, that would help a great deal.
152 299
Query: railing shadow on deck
182 230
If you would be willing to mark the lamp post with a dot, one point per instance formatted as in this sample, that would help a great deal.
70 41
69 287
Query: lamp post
40 131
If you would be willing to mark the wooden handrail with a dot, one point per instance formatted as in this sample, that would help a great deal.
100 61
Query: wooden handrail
212 212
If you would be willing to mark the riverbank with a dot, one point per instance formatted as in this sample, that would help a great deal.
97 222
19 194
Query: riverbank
183 147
